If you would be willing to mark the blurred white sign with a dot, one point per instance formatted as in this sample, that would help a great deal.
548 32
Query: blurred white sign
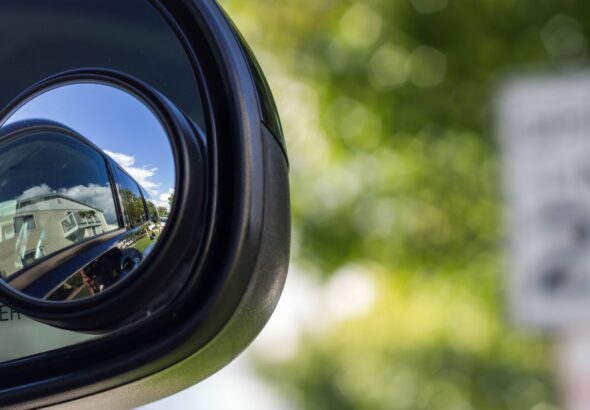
573 357
544 129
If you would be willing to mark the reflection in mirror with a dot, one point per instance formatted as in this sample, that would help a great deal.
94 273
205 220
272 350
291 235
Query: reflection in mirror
86 184
46 211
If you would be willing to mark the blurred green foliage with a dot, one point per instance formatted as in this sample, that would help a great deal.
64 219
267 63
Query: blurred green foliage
387 110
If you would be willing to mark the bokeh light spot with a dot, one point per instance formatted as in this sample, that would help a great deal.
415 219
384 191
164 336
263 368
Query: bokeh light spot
388 66
427 66
429 6
563 37
360 26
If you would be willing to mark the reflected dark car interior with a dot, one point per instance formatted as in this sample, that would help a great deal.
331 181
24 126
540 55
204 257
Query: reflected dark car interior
72 222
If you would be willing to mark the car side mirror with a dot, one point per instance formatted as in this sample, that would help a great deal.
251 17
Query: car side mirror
144 200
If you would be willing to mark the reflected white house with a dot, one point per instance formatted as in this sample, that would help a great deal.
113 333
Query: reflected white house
32 228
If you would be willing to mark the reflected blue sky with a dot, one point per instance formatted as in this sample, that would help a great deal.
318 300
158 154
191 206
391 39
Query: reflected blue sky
116 122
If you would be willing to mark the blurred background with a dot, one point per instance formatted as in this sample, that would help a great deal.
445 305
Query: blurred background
395 298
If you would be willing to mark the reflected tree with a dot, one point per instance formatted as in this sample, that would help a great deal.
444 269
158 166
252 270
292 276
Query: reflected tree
163 211
133 206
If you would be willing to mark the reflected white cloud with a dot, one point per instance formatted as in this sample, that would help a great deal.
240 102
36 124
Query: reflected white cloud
142 175
98 196
163 199
37 190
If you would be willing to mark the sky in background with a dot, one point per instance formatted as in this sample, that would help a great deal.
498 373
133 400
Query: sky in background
116 122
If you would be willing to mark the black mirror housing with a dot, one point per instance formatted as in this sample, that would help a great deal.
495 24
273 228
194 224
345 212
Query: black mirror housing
218 264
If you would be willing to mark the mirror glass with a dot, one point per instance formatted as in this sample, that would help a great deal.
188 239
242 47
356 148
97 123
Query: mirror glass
86 184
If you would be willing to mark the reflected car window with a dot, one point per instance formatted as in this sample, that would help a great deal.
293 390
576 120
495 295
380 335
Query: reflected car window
132 200
152 209
54 193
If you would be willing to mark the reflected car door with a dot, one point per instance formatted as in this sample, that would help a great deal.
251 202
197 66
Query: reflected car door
79 245
127 250
58 221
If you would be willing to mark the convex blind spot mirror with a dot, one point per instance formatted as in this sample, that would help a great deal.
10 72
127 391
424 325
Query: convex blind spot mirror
144 200
86 170
87 176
